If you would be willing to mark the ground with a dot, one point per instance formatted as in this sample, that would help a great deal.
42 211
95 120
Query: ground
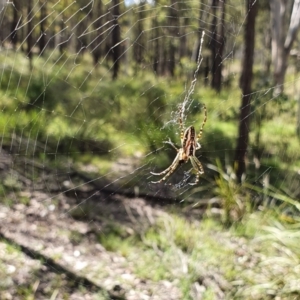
57 242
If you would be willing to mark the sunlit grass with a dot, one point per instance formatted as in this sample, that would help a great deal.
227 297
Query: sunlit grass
257 256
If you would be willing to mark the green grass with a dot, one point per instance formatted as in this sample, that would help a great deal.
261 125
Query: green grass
259 256
50 114
102 121
102 115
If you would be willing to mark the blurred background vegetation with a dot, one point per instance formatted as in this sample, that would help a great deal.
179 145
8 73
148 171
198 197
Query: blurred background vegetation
93 88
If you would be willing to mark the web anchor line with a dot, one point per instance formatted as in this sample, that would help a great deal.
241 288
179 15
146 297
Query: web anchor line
187 97
188 136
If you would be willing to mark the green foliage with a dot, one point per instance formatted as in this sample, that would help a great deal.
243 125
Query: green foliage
80 116
115 238
234 198
279 243
184 245
277 195
176 231
54 109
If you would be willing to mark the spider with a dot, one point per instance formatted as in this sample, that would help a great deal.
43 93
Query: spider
189 145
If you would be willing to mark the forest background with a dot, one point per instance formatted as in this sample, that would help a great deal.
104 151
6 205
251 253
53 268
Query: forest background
91 91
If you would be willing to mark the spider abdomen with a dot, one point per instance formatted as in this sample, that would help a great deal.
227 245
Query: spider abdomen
189 143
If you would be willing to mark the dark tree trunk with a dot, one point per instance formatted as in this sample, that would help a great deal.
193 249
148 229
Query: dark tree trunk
83 39
97 12
203 13
219 34
155 45
213 41
14 24
174 28
29 33
183 47
163 59
116 38
217 44
245 83
63 37
156 59
206 70
139 43
42 41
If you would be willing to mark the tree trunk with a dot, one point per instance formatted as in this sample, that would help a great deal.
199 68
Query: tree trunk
156 57
203 16
97 51
183 47
281 48
42 41
213 42
116 38
218 52
139 43
14 24
245 83
29 34
173 29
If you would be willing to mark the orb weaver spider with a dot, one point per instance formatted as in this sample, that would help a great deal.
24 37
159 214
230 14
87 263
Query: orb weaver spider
189 145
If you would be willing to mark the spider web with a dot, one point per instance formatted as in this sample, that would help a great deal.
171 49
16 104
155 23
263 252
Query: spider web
88 97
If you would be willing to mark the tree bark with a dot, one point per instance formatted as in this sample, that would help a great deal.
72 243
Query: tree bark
14 24
281 48
213 41
219 36
245 83
173 29
42 40
139 43
116 38
29 32
97 52
156 46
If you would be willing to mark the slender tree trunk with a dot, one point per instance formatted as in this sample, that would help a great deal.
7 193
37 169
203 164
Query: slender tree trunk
267 46
29 32
213 42
139 43
42 41
277 13
84 39
280 47
203 16
116 38
163 58
206 70
218 52
173 29
183 47
63 36
97 12
245 83
14 24
156 59
155 45
200 29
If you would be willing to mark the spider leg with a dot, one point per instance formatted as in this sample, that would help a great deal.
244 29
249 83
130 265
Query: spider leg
168 171
171 143
203 123
198 146
197 166
176 160
180 121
